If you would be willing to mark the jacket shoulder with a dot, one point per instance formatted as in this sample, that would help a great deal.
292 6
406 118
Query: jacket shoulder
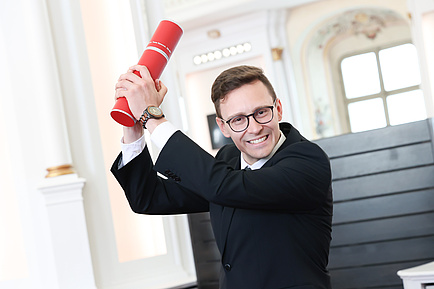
228 152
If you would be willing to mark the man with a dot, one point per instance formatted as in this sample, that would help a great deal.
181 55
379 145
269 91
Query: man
272 221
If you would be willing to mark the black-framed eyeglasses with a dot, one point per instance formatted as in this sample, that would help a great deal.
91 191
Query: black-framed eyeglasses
240 123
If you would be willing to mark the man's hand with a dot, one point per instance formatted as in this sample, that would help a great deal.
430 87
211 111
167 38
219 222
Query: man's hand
140 92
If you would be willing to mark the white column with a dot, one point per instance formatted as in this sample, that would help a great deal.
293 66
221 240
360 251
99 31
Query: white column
285 84
62 188
418 277
70 243
422 19
50 110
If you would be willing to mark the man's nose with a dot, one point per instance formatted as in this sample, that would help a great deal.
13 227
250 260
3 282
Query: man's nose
254 126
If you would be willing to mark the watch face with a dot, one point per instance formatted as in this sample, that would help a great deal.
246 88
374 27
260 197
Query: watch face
155 111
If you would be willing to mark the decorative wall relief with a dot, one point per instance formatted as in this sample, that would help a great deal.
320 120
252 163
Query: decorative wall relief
367 22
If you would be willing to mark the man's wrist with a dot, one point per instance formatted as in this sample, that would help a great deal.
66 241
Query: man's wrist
153 123
131 134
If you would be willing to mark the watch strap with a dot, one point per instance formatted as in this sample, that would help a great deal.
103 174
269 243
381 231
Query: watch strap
144 118
147 116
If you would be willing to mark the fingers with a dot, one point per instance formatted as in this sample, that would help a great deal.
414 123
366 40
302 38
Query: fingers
140 91
127 80
130 76
120 92
121 88
141 71
135 74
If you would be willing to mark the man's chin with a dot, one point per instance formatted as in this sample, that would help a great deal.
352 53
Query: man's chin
257 155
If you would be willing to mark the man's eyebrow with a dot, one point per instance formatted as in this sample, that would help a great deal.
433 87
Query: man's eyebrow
244 114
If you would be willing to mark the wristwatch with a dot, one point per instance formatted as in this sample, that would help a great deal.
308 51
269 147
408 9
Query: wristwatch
150 112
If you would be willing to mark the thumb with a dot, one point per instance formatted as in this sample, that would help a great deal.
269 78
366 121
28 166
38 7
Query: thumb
161 88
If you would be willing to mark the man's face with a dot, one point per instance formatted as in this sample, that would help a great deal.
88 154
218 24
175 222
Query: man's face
258 140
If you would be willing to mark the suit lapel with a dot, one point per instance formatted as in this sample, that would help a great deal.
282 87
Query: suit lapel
292 136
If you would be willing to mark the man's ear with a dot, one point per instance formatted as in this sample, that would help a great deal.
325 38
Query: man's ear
279 109
222 126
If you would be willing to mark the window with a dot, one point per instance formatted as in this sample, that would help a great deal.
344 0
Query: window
381 88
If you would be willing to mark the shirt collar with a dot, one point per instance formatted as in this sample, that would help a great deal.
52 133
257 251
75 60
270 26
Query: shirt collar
262 161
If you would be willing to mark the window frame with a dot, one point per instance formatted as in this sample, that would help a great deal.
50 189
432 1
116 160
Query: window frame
383 94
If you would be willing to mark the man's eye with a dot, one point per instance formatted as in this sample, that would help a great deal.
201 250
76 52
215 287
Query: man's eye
261 112
238 119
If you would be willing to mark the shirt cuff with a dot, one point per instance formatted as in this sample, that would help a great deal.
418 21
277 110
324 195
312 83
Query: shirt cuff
162 134
131 150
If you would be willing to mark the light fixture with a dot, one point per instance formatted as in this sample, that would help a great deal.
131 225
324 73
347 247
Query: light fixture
222 53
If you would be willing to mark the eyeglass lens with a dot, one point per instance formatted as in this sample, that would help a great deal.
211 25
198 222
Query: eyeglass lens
241 122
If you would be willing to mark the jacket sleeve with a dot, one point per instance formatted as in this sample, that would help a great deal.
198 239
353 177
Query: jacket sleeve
297 178
148 193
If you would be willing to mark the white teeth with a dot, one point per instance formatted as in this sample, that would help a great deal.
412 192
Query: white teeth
258 140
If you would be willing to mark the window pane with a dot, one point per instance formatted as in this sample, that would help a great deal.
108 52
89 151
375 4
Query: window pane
360 75
367 115
399 67
406 107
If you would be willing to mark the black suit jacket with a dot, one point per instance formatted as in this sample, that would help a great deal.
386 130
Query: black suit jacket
272 226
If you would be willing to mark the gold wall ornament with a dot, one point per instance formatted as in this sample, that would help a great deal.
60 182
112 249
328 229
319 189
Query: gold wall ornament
59 171
214 34
276 53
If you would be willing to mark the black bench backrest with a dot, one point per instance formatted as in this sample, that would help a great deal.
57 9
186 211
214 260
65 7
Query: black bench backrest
383 189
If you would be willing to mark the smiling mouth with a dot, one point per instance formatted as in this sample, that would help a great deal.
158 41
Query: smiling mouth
259 140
